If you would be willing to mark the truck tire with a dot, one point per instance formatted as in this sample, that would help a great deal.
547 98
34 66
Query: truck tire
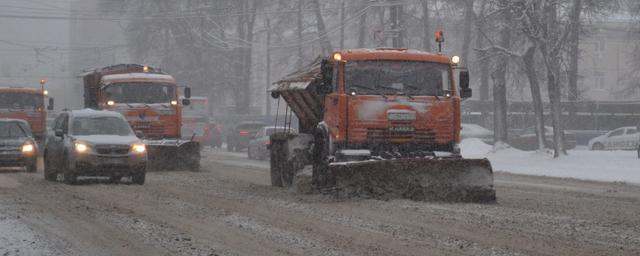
321 176
276 163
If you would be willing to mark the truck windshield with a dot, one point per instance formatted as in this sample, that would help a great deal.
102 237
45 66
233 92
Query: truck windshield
393 77
149 93
20 101
83 126
12 130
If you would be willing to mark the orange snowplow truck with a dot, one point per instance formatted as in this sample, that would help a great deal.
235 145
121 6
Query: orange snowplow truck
149 100
27 104
379 123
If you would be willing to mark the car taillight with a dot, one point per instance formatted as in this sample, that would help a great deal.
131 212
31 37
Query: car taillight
244 132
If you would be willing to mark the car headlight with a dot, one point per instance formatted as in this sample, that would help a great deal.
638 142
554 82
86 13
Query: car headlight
28 148
81 148
138 148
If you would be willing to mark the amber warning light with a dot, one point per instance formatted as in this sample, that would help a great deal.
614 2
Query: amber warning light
439 40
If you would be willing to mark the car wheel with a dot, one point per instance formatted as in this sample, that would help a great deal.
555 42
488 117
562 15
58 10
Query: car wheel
49 173
249 153
139 178
638 152
597 146
32 166
115 178
70 177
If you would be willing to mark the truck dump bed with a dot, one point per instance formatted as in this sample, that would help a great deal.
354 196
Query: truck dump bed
299 91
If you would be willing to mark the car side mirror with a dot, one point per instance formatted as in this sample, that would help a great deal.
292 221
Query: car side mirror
59 133
326 73
139 134
50 107
465 91
187 92
186 102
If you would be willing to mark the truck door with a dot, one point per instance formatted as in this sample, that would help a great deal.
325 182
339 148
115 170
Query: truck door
335 106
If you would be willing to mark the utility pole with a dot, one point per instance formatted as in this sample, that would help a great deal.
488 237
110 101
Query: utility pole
268 100
342 26
397 30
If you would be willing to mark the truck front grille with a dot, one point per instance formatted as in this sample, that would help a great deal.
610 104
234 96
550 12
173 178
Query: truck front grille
416 136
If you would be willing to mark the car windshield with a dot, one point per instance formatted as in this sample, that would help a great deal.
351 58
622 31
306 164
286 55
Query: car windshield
20 101
101 126
12 130
393 77
148 93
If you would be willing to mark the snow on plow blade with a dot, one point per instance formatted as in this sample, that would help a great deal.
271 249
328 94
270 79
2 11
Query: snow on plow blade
173 154
420 179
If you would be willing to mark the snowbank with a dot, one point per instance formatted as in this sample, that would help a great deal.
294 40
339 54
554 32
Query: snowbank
607 166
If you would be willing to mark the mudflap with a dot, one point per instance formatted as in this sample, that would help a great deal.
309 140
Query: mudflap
419 179
173 155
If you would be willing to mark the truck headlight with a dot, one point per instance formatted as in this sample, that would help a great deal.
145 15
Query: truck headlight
81 148
138 148
27 148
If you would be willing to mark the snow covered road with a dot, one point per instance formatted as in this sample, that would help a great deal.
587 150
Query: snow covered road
230 209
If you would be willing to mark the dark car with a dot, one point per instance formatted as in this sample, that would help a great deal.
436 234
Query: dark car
238 138
18 148
258 146
94 143
526 139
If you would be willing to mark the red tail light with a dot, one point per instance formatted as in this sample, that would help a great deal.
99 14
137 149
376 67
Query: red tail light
244 132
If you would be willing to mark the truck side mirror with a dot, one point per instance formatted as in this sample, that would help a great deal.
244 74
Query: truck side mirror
186 102
50 107
326 73
465 91
187 93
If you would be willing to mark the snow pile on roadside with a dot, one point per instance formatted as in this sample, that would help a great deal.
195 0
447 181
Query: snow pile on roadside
609 166
16 238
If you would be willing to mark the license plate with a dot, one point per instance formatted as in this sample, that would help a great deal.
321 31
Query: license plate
114 161
402 129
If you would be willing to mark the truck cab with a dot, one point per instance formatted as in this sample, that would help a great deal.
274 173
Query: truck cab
26 104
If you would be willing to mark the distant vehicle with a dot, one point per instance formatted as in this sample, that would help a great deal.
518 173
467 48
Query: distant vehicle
18 147
476 131
197 124
150 100
27 104
258 146
623 138
526 140
238 138
94 143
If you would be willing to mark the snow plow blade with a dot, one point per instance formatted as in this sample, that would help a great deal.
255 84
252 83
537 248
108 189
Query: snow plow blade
173 154
420 179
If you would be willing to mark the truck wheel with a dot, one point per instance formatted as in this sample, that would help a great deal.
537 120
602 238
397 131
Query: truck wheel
321 176
49 173
139 178
276 163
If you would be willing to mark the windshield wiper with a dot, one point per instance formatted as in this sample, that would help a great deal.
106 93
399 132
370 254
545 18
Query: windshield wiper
399 91
375 89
